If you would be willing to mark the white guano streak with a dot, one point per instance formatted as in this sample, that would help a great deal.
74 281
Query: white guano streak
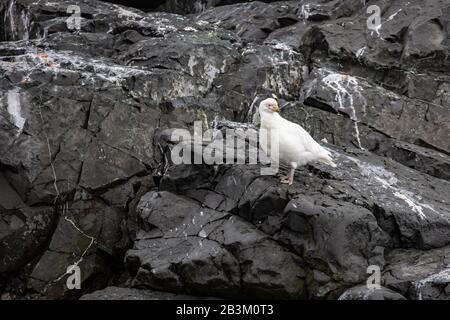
15 110
336 82
387 180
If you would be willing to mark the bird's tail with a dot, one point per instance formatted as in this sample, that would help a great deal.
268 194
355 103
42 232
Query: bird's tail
326 159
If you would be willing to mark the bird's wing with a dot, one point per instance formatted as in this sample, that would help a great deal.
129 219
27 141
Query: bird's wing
300 136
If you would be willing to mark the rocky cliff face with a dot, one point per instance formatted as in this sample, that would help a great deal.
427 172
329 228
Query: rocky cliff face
85 171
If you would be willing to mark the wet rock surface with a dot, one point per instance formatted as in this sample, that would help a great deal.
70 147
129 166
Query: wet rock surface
86 176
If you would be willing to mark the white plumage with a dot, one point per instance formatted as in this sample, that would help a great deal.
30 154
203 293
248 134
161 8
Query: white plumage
295 146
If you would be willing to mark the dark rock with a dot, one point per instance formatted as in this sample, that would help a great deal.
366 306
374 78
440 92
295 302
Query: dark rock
197 6
430 161
87 119
89 234
346 236
423 275
197 241
384 112
9 198
24 233
252 21
107 165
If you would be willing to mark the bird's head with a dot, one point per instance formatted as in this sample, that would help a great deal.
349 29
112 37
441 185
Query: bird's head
269 106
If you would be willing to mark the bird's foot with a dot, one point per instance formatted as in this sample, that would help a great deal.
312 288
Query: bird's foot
286 180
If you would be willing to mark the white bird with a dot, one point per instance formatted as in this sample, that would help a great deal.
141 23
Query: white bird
295 146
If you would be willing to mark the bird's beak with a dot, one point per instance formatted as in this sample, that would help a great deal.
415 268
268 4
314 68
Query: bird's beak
276 109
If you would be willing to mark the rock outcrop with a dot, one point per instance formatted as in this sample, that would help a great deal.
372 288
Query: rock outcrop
86 176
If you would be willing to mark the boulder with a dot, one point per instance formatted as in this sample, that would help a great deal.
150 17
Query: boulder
88 235
185 247
24 233
422 275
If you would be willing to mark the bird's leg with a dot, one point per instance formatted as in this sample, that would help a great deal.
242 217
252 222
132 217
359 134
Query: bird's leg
290 178
285 179
291 174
